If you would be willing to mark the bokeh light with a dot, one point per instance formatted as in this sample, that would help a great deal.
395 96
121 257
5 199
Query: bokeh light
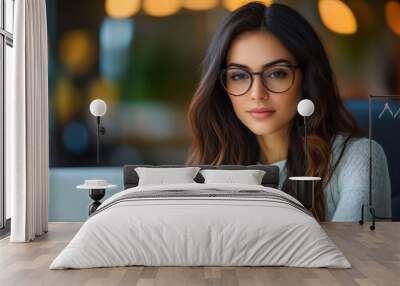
116 37
77 51
200 5
67 101
337 16
392 11
76 137
163 8
120 9
235 4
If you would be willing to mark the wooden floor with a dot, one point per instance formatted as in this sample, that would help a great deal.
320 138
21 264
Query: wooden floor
374 255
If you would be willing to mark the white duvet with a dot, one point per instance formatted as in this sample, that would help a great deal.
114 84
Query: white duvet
200 231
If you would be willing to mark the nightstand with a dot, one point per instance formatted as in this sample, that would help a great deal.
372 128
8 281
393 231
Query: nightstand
304 190
97 190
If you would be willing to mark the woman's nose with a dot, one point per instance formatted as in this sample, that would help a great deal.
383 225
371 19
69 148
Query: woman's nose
258 91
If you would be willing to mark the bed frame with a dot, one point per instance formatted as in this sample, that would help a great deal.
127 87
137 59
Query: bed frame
270 179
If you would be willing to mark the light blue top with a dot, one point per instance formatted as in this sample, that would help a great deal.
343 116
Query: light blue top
348 187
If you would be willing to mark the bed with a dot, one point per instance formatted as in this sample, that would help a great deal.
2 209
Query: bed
201 224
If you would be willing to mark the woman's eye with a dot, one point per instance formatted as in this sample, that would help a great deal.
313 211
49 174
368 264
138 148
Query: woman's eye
277 74
238 76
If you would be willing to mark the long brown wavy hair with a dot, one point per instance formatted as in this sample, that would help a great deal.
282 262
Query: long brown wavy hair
219 137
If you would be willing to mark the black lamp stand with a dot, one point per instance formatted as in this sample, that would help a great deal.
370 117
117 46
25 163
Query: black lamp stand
100 130
96 195
305 142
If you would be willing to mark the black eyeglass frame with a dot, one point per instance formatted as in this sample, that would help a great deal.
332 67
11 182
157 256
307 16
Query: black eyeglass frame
252 74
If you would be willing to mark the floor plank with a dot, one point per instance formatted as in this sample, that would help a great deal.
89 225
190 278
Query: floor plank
374 255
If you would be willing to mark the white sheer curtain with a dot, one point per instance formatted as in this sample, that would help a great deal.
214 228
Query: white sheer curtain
27 124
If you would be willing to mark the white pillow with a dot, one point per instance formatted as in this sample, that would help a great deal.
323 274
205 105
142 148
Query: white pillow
249 177
161 176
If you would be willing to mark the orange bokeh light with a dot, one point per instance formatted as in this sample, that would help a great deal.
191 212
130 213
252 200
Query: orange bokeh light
337 16
120 9
392 11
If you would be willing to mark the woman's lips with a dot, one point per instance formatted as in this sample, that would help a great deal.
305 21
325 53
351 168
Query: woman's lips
260 113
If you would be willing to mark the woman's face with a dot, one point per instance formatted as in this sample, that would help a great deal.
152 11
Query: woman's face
251 51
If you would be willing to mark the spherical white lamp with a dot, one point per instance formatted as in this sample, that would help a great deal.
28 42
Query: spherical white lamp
98 108
305 107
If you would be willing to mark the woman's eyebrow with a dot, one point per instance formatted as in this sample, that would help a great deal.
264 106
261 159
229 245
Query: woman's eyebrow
237 65
278 61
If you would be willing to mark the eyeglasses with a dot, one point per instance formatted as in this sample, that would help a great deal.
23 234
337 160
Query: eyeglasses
276 78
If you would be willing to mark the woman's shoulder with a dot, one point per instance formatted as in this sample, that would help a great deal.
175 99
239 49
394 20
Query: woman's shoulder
357 149
355 143
340 139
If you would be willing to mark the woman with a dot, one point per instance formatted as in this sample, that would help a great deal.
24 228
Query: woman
261 62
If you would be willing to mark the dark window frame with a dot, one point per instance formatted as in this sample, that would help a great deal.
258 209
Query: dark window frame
6 39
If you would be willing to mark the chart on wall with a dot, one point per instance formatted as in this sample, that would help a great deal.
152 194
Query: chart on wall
385 127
